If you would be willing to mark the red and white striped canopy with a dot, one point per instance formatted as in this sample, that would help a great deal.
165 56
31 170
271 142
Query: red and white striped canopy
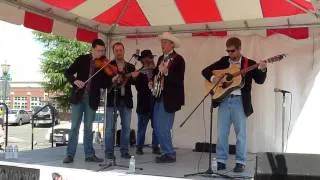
88 19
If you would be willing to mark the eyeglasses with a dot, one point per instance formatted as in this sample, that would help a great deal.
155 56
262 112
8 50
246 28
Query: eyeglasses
230 51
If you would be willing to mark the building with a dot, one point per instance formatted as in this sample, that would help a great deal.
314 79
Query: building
26 95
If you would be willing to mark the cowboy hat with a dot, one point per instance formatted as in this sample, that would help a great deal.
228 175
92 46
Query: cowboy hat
170 37
146 53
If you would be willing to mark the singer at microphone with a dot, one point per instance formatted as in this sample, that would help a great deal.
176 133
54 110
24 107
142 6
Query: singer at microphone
280 90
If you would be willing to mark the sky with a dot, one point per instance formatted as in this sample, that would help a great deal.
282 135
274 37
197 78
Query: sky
19 48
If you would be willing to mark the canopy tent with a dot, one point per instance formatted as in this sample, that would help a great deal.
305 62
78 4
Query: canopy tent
85 20
215 19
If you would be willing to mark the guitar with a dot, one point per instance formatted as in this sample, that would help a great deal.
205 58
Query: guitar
231 78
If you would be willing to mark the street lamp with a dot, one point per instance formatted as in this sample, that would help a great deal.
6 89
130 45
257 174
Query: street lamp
5 71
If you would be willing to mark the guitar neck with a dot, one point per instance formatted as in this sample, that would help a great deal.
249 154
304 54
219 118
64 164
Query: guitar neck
245 70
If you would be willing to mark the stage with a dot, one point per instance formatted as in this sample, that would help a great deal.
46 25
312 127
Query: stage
50 160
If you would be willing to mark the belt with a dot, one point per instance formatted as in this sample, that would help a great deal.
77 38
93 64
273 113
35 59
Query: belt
233 95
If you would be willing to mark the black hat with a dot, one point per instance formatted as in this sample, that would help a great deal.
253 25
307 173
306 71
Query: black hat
146 53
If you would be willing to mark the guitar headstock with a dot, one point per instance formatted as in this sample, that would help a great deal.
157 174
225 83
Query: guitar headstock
276 58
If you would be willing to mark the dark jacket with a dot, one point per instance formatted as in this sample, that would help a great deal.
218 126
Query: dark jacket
173 90
81 68
256 74
127 99
144 95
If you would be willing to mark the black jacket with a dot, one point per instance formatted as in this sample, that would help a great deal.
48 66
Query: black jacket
173 90
144 95
81 68
127 99
256 74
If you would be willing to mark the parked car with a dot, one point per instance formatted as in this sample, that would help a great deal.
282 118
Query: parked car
61 131
18 117
44 117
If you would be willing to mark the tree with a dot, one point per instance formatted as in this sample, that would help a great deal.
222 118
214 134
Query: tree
59 54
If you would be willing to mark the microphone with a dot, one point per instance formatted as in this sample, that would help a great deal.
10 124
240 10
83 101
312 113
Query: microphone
281 90
136 54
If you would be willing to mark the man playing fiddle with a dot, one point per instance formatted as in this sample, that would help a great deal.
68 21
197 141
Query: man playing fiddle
85 99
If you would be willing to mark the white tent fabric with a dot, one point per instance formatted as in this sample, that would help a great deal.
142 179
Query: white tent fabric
296 73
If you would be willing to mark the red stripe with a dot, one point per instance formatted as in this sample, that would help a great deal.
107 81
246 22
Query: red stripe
133 15
66 4
37 22
140 36
275 8
86 35
296 33
216 33
199 11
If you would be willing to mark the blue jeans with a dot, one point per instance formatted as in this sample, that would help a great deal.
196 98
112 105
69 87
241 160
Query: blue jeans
125 115
163 122
231 111
143 119
76 117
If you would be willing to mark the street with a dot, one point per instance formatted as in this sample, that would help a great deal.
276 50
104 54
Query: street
21 135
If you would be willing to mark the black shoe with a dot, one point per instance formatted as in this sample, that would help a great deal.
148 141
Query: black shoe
125 155
156 150
109 156
68 159
221 166
239 168
93 158
139 151
165 159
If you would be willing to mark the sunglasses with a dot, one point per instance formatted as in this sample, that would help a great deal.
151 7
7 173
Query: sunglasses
230 51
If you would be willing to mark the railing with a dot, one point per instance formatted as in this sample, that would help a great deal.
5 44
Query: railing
7 124
52 111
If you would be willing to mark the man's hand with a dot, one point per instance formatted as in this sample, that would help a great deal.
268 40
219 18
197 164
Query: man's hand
79 83
262 65
150 84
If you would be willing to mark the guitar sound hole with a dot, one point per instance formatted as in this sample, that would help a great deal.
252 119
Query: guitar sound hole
229 77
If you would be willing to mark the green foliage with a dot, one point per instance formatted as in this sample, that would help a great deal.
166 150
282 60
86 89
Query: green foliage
59 54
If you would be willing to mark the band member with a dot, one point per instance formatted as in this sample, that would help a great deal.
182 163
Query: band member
235 108
124 103
85 100
145 103
170 72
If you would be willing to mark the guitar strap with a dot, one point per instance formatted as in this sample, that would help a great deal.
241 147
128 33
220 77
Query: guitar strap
245 65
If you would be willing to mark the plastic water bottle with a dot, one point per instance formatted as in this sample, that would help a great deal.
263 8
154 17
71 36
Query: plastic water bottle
6 153
10 151
132 165
214 164
15 152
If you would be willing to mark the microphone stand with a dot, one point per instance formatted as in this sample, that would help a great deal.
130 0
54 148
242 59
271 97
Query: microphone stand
209 172
113 162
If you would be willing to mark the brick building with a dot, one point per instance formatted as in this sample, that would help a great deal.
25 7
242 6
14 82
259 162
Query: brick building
26 95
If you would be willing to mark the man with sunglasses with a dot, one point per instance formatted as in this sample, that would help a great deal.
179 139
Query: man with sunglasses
85 99
236 107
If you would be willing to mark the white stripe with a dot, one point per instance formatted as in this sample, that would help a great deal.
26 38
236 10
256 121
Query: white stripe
93 8
63 29
262 33
11 14
239 9
161 12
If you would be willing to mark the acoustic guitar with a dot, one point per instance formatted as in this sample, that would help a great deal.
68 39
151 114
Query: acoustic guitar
231 78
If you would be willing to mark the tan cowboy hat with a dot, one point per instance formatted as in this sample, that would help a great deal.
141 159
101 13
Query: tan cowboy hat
170 37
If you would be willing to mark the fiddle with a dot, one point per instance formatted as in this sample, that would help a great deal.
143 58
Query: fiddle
104 63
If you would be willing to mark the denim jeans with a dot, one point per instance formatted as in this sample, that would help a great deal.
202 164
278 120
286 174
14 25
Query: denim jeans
82 108
125 115
143 119
163 122
231 112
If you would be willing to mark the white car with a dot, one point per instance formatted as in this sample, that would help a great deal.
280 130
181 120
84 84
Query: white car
18 117
61 131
